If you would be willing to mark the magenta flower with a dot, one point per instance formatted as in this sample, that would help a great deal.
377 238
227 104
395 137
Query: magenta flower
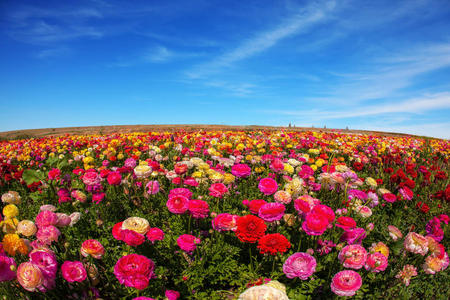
268 186
270 212
73 271
188 242
300 264
346 283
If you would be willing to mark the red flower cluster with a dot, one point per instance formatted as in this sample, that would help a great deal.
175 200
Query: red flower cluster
273 243
250 228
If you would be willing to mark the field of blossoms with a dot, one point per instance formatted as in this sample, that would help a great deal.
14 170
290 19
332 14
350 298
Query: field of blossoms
224 215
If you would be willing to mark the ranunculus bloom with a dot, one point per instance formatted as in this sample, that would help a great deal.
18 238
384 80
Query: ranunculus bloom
353 256
29 276
199 209
134 271
381 248
98 197
268 186
324 210
73 271
180 191
46 261
63 220
142 171
117 231
74 218
140 225
272 290
63 195
353 236
114 178
48 234
300 264
254 205
416 243
315 224
78 195
394 232
250 228
346 223
241 170
407 273
282 197
152 187
177 204
6 274
26 228
273 243
131 237
188 242
46 218
172 295
389 197
217 190
270 212
376 262
91 178
54 174
346 283
93 248
225 222
155 234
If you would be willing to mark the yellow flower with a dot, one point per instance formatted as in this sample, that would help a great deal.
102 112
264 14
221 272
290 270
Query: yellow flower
9 225
228 178
319 162
197 174
137 224
371 182
288 168
10 211
259 169
314 167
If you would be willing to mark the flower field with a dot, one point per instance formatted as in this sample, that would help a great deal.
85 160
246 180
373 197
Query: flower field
224 215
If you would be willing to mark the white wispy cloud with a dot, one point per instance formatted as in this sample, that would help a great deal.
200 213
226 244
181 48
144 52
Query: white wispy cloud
412 106
52 52
158 54
261 41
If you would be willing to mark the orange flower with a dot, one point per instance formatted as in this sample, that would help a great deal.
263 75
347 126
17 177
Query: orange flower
12 243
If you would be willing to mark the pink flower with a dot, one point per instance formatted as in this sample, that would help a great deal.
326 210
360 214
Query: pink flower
91 178
325 211
54 174
172 295
241 170
353 256
177 204
346 223
315 224
152 187
46 262
268 186
353 236
46 218
73 271
93 248
254 205
63 220
98 197
6 274
63 196
270 212
199 209
217 190
376 262
131 237
406 193
300 264
114 178
134 271
394 232
346 283
188 242
225 222
78 195
155 234
389 197
416 243
48 234
181 191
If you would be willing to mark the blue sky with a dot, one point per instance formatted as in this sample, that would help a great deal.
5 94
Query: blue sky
377 65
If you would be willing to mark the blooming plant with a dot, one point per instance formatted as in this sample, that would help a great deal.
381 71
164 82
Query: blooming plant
224 215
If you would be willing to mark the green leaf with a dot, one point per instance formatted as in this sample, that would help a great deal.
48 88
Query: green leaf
30 176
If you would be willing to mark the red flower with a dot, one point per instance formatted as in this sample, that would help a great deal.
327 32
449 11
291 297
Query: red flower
250 228
423 207
358 166
273 243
